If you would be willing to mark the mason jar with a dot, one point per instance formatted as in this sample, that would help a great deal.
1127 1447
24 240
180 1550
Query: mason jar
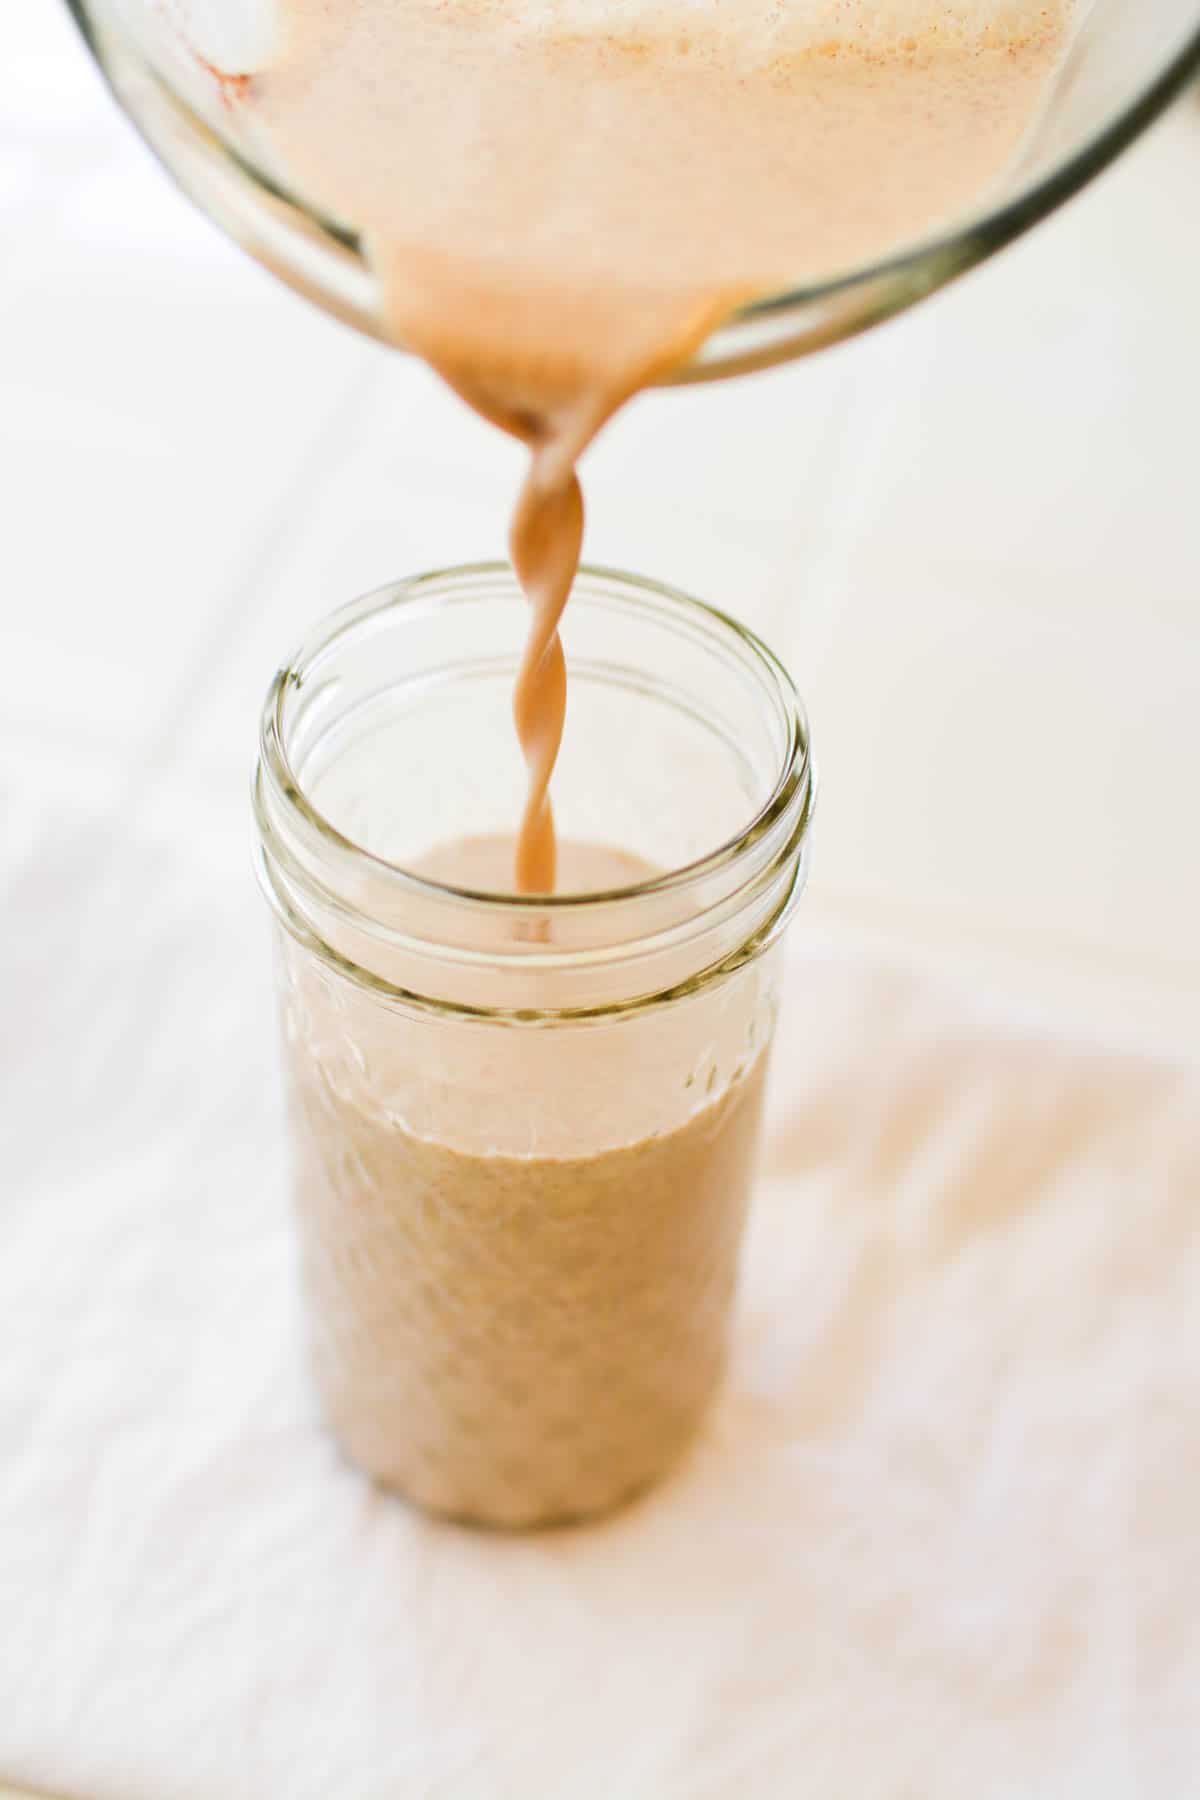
524 1128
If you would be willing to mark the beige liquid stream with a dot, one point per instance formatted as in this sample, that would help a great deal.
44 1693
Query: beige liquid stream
563 197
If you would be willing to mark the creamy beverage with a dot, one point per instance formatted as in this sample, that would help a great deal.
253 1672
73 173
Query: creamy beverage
562 197
515 1337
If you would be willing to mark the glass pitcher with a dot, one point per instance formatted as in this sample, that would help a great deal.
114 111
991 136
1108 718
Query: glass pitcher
1127 61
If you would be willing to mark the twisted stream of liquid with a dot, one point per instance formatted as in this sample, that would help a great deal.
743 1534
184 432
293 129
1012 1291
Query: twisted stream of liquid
545 542
555 408
546 538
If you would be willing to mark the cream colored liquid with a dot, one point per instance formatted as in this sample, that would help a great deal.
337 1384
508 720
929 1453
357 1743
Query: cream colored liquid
518 1335
562 197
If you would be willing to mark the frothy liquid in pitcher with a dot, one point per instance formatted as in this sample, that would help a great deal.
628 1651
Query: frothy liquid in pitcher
563 197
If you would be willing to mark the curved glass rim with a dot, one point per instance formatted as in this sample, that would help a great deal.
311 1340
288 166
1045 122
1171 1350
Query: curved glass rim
977 234
796 775
901 275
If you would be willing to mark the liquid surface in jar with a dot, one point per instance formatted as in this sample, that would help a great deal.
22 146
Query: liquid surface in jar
563 197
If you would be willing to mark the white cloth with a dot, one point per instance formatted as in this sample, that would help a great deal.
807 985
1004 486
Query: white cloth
940 1540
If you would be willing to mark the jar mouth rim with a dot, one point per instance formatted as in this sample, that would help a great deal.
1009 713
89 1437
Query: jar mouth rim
796 773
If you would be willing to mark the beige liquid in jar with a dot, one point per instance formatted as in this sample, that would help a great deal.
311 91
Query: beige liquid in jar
516 1338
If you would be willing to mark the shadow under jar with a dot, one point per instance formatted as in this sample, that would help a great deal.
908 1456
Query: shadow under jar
524 1128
